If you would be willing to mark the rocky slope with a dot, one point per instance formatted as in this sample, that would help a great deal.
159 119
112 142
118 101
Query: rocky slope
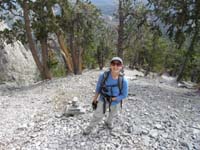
156 115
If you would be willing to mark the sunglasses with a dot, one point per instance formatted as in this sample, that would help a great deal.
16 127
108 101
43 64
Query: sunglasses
116 63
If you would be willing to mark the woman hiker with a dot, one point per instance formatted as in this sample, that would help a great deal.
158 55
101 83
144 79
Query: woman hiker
111 89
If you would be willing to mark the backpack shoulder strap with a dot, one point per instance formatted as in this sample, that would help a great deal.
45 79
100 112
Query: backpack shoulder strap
120 83
105 77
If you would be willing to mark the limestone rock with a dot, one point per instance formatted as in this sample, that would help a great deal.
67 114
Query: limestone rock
158 126
153 133
16 63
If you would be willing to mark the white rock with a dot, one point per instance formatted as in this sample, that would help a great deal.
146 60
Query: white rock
196 131
146 140
165 135
158 126
168 78
153 133
17 64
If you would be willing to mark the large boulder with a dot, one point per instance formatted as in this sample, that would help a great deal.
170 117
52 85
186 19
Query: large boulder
17 64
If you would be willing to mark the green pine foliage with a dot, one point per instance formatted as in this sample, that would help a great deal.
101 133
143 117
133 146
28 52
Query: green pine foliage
58 70
161 38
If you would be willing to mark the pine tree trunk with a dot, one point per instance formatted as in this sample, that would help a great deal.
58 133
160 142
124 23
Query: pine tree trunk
66 52
182 68
77 58
77 50
30 38
120 31
47 74
99 56
187 57
73 55
80 63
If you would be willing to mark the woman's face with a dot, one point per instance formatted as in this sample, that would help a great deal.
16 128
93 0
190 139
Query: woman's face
115 66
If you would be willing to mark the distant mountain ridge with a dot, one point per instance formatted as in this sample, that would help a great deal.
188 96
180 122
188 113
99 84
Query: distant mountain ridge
108 7
103 2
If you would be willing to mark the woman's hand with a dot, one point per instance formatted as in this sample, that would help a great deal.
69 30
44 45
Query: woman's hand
95 97
114 98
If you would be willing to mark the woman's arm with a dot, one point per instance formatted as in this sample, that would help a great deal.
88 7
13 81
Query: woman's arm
124 92
98 87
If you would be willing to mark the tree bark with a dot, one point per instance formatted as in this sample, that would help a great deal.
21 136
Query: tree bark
80 62
120 31
76 45
183 65
47 74
187 56
73 51
30 38
77 58
65 52
192 43
100 55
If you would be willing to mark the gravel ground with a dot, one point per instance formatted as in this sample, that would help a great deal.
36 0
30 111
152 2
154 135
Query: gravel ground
156 115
